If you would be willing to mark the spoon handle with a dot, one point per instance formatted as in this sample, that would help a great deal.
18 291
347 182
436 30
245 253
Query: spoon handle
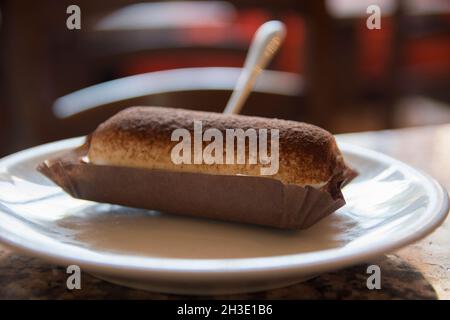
265 43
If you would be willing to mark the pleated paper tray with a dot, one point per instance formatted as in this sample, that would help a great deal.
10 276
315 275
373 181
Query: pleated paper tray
246 199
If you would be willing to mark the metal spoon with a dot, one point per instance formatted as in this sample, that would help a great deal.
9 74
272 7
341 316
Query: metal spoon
265 43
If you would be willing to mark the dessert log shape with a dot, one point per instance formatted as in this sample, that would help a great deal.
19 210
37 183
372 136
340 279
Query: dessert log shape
128 160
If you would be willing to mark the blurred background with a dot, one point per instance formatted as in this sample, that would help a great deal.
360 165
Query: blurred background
331 70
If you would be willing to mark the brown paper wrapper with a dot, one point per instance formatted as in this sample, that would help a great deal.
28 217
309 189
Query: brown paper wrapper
246 199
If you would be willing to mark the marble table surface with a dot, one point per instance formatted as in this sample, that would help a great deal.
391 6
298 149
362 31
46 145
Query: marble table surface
419 271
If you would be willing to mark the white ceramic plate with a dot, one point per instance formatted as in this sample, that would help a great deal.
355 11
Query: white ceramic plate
388 206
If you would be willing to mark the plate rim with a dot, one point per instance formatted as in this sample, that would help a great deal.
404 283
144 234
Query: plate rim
316 261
